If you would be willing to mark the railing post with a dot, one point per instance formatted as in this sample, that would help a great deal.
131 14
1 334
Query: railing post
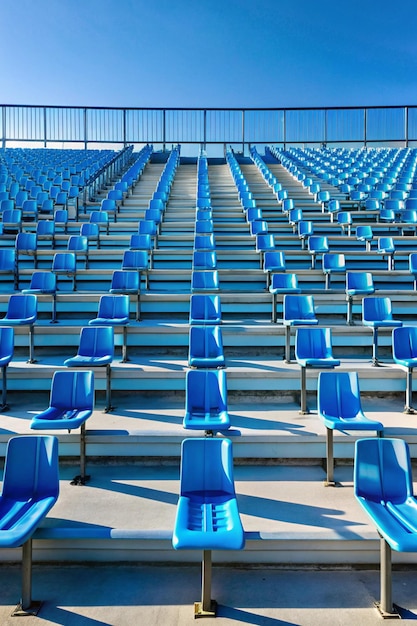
44 128
243 132
85 129
205 129
163 130
124 128
284 123
365 126
406 126
3 127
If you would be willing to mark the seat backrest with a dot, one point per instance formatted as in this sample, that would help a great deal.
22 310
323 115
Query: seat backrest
338 395
96 341
386 243
22 307
73 390
318 244
45 228
376 309
64 261
359 280
31 468
6 343
265 242
382 471
274 260
412 262
111 307
78 242
205 308
147 227
26 241
335 262
7 259
205 279
313 343
89 229
284 281
206 391
125 280
298 307
206 341
43 281
364 232
99 217
135 259
404 342
305 229
204 259
206 466
140 242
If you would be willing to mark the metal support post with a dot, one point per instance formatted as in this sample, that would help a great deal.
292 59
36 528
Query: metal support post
274 308
409 392
303 409
329 459
287 344
207 606
124 345
109 406
4 406
83 477
53 318
27 606
385 606
31 343
375 361
349 320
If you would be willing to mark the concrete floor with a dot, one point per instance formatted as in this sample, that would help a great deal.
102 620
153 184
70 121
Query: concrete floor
134 595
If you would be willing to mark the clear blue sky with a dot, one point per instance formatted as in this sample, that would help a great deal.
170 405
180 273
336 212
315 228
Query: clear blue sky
208 53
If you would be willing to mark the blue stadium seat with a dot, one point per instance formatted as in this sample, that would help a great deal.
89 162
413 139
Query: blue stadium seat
298 310
6 355
207 513
65 264
365 234
113 310
386 247
377 313
313 348
30 490
44 283
357 284
205 309
205 347
333 263
282 284
339 407
205 280
317 246
404 352
71 404
383 486
206 401
127 282
137 260
96 349
22 310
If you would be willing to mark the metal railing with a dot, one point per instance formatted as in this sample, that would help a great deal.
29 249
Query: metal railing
50 126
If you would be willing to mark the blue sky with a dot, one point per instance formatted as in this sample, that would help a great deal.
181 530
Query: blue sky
208 53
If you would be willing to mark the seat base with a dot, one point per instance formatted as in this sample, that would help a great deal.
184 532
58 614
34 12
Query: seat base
33 609
200 612
385 615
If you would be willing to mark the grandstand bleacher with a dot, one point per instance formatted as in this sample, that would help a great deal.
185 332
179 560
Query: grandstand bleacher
159 232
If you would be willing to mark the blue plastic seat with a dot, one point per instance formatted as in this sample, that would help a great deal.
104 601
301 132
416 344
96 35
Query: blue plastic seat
206 401
71 404
12 220
205 309
6 355
30 210
204 227
207 515
298 310
206 280
294 217
96 349
386 247
127 282
78 244
204 242
317 246
22 310
313 348
383 486
44 283
30 490
149 227
101 218
65 264
377 313
258 227
404 352
412 265
364 233
332 208
45 230
109 206
339 406
344 218
205 347
204 260
254 215
357 284
333 264
264 243
113 310
273 261
61 219
203 215
323 197
91 231
282 284
137 260
387 216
